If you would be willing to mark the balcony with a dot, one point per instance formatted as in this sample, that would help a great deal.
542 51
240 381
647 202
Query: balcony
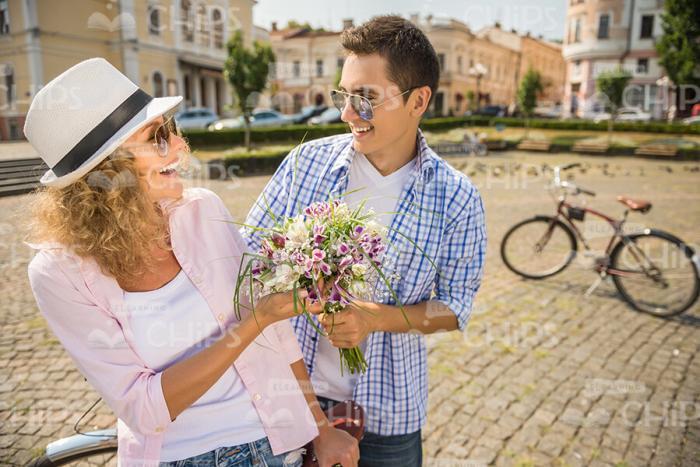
594 49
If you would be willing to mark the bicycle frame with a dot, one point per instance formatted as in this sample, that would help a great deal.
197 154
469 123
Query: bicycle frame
616 224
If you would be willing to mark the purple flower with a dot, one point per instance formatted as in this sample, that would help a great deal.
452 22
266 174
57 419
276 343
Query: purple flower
318 255
266 249
308 265
343 249
278 239
335 296
257 268
357 231
313 296
325 268
345 262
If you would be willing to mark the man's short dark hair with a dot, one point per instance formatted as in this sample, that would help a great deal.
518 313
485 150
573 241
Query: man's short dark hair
412 61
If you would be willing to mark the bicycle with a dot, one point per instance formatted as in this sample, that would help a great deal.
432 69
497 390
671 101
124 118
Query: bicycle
96 448
654 271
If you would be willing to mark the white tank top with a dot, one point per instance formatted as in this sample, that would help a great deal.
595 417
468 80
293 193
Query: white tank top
172 323
380 193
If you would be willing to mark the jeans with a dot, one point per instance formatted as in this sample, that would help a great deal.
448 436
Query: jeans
258 453
383 451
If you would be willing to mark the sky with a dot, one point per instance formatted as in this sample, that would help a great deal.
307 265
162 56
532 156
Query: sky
545 17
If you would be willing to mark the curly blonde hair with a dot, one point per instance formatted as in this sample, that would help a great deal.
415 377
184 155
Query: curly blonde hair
106 215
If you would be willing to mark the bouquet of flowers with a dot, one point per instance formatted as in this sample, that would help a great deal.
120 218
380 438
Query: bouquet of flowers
326 244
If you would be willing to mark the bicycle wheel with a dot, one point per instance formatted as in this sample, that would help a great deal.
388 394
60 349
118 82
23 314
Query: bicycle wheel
538 247
656 273
98 458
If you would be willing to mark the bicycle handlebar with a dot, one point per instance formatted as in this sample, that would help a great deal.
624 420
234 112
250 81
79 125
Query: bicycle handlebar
570 166
565 184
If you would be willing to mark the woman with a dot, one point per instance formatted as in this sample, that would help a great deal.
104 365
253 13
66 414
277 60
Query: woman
136 276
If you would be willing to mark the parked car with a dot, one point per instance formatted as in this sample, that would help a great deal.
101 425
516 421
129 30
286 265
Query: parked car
554 111
330 115
491 111
308 113
259 118
626 114
692 120
195 118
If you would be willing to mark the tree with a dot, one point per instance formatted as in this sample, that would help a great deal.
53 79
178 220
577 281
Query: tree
679 45
247 71
530 87
611 84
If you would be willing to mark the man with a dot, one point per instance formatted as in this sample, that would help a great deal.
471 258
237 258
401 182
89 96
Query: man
436 231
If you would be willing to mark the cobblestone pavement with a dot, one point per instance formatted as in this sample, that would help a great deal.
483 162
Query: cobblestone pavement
543 376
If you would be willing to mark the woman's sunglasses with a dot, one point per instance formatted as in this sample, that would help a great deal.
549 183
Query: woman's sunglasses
360 104
162 135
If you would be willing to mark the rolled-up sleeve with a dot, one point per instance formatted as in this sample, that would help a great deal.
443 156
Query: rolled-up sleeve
288 340
461 261
95 341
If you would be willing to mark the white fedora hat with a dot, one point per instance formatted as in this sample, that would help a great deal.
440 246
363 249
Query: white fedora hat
83 115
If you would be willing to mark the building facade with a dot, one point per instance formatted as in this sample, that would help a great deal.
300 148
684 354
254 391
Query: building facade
603 35
543 56
167 47
307 66
475 69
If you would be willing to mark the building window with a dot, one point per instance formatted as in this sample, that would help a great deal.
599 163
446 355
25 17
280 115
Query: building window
319 68
202 26
188 92
4 18
577 30
154 20
577 67
647 26
441 59
157 84
604 27
218 25
187 20
296 68
643 66
459 64
9 74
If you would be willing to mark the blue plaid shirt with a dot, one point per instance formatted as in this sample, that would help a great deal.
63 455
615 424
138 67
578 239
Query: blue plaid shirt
442 213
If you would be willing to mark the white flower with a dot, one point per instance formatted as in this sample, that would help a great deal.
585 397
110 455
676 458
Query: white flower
283 278
297 233
358 288
359 269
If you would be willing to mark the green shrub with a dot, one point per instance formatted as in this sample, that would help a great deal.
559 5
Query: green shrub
295 133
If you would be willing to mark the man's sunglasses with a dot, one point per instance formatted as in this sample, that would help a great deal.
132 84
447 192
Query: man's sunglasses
360 104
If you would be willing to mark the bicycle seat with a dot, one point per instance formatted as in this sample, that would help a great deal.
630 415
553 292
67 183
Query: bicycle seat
635 204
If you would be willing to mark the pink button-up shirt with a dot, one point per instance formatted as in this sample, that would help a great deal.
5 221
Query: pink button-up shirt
85 309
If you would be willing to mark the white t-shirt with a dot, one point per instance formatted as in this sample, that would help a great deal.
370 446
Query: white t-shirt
381 194
173 323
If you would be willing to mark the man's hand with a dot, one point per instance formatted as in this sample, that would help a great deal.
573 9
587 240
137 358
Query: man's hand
333 446
348 328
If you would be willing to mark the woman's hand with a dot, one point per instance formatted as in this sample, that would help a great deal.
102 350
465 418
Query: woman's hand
279 306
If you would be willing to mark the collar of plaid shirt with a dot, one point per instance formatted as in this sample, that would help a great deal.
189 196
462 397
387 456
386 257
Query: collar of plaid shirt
441 212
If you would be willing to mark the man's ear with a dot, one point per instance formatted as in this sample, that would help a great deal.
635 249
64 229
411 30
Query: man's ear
421 99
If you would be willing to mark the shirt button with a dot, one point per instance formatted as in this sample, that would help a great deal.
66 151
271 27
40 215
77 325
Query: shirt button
220 318
257 397
159 429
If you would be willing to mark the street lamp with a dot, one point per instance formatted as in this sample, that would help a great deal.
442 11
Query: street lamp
478 71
